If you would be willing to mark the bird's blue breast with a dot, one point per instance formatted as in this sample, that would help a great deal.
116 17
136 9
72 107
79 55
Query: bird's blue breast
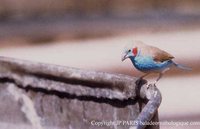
146 63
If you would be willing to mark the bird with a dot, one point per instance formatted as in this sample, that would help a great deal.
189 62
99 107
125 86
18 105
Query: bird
149 59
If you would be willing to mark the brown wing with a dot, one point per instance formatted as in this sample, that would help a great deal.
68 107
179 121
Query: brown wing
157 54
160 55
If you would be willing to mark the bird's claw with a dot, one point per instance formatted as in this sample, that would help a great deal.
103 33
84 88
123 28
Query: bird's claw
151 90
151 85
148 85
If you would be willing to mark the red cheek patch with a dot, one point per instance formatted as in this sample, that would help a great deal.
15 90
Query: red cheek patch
135 51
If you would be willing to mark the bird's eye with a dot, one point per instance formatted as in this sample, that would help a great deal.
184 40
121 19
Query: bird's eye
129 50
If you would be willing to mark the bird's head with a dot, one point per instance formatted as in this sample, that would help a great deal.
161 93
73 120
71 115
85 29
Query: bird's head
132 50
129 52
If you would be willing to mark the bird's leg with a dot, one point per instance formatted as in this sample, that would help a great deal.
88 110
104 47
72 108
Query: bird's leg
159 77
144 76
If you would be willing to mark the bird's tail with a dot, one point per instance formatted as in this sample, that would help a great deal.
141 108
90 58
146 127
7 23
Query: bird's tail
180 66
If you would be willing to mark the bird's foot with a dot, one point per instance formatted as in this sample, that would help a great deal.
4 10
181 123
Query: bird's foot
151 85
151 90
154 84
148 85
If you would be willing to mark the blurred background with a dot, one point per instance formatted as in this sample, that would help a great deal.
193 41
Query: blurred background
91 34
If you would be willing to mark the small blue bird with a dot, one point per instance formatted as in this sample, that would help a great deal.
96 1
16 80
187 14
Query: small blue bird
150 59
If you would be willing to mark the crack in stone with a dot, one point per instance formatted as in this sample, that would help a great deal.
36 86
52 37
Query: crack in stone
114 102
